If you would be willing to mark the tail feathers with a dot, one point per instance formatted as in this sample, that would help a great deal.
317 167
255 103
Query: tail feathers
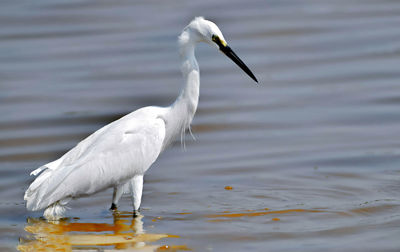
37 182
47 168
56 210
38 170
52 166
34 193
45 190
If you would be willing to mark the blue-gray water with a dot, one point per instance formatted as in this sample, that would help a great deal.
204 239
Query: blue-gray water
312 153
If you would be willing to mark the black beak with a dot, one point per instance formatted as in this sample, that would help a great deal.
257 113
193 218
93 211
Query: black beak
228 52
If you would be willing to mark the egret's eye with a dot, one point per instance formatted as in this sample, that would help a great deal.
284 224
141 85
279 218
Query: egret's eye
215 38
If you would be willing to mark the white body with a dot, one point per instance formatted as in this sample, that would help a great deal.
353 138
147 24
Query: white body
119 154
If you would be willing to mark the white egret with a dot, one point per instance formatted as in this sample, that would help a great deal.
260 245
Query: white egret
119 154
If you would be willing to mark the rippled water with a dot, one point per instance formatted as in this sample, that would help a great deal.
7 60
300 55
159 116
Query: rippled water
309 160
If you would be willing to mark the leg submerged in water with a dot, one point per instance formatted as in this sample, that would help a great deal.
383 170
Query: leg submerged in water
118 190
136 186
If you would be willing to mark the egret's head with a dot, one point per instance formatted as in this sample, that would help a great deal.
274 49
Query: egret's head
202 30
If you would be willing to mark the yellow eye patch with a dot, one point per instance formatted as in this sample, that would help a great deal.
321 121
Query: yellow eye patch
218 41
223 42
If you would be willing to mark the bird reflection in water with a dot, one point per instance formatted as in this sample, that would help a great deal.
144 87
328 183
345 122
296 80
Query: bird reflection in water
125 233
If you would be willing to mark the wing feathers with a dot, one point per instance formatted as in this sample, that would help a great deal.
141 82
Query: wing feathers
115 154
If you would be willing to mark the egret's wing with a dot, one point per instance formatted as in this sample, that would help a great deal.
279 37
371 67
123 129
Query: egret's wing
74 153
123 150
68 158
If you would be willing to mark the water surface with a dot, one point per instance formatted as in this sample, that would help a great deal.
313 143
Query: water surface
309 160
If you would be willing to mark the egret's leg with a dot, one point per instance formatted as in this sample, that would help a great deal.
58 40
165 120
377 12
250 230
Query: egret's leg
136 185
118 190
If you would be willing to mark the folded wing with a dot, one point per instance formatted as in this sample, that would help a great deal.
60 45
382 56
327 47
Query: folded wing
110 156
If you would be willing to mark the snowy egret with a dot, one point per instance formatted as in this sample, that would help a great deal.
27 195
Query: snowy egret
119 154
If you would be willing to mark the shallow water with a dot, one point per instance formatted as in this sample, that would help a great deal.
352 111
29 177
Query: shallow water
308 160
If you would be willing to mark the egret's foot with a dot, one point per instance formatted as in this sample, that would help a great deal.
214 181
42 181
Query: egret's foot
136 213
113 207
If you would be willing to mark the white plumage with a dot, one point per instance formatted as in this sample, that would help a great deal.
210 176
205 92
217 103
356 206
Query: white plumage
119 154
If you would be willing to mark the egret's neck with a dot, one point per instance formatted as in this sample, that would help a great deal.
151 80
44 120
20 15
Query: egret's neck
181 112
186 103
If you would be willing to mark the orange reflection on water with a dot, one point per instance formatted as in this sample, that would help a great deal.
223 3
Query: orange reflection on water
252 214
125 232
261 213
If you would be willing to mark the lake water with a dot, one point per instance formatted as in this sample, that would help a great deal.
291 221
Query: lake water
308 160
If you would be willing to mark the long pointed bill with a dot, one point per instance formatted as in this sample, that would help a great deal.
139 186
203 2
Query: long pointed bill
228 52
